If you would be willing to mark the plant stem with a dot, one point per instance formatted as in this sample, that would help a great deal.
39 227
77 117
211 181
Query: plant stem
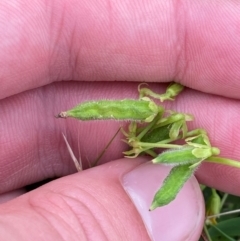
207 233
77 164
104 150
224 198
224 161
151 153
224 214
158 144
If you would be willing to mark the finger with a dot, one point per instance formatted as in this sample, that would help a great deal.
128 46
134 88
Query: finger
32 146
104 203
33 149
160 41
5 197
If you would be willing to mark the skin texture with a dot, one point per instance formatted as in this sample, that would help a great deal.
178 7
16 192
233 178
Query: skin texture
45 42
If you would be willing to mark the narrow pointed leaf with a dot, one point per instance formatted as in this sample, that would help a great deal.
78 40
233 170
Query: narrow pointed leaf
175 129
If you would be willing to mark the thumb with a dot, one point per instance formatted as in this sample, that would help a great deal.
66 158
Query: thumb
108 202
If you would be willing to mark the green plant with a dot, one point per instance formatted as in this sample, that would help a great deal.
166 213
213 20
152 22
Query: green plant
152 128
224 207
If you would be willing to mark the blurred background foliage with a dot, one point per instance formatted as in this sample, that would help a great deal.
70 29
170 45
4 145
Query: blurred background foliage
228 226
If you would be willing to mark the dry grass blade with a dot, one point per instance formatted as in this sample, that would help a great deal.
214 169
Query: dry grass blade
78 165
105 149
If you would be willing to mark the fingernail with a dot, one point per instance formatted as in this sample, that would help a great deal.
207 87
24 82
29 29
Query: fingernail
183 217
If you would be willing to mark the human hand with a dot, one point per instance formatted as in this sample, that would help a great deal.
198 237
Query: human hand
70 40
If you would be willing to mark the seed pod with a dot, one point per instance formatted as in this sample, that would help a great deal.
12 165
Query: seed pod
179 156
127 109
172 185
185 155
213 206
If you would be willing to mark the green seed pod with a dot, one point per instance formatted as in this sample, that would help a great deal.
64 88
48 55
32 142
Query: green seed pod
181 156
185 155
172 185
127 109
213 206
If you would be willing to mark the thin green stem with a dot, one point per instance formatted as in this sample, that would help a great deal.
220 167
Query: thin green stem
151 153
207 233
158 145
224 214
224 161
223 200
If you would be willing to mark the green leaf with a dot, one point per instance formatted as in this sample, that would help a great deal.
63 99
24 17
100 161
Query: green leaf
229 227
156 135
171 186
